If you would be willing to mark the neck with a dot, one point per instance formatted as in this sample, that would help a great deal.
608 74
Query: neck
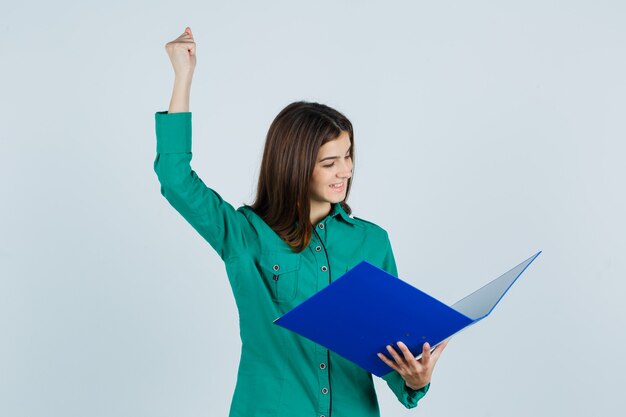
319 210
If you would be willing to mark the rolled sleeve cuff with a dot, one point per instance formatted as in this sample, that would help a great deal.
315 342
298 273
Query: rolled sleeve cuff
413 396
407 396
173 132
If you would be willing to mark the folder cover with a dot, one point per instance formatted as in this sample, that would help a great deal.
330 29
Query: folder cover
367 309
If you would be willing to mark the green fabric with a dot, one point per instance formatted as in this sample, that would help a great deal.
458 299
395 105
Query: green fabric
280 373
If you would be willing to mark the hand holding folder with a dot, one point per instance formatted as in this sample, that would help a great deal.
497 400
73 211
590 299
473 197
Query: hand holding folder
366 309
415 372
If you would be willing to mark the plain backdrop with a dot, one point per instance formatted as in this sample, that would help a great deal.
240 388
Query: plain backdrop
485 131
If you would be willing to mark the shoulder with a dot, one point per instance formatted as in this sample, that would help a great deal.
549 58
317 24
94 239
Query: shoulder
371 227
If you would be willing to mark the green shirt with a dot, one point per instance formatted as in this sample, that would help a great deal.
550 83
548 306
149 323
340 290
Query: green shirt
280 373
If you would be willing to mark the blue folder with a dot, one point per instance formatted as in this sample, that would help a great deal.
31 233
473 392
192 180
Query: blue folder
367 309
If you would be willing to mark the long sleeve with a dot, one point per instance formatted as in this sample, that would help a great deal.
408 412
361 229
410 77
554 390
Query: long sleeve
216 220
407 396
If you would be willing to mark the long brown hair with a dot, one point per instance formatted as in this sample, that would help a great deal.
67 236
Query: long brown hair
293 142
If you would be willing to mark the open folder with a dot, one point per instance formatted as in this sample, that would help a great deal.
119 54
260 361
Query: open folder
366 309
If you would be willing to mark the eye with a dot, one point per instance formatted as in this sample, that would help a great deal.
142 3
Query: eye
329 165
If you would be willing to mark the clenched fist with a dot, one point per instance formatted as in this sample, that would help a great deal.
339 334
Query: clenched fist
182 53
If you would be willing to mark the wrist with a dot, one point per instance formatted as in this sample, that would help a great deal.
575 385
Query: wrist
414 387
183 77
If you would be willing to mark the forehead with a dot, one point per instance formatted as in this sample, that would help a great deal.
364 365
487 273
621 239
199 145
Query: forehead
336 147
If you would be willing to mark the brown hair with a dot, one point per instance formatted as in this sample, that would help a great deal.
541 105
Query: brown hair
293 142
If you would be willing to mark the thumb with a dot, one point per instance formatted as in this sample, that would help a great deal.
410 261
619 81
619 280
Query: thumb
439 349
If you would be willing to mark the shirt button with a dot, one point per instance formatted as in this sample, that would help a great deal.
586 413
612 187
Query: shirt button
321 225
322 365
276 267
318 248
322 415
324 269
324 390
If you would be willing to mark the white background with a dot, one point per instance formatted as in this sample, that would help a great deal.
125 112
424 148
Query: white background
485 131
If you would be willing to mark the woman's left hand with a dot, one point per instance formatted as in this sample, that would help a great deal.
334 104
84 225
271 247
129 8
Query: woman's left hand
415 372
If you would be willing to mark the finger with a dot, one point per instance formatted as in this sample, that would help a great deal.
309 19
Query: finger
187 44
186 35
395 355
188 30
408 356
426 352
388 362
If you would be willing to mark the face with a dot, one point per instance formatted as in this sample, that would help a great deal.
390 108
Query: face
333 168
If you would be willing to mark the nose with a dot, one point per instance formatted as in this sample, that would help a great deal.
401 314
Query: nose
345 170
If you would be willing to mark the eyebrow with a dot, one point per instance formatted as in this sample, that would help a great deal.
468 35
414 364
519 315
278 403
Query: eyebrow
334 157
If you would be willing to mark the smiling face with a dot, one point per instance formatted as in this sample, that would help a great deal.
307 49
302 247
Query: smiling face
329 182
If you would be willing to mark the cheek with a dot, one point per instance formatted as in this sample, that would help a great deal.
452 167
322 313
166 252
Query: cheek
320 181
316 180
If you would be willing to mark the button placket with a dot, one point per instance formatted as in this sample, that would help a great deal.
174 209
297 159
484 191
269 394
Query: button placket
323 379
322 355
321 231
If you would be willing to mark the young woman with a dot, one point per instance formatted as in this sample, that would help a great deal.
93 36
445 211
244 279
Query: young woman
296 238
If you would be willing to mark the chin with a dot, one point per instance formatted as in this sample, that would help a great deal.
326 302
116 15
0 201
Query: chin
336 199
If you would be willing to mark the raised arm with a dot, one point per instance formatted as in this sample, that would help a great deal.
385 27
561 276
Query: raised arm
216 220
182 53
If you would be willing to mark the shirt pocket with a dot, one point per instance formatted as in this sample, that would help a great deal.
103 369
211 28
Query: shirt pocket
280 271
339 269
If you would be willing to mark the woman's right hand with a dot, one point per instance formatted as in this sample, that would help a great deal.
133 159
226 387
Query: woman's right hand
182 53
